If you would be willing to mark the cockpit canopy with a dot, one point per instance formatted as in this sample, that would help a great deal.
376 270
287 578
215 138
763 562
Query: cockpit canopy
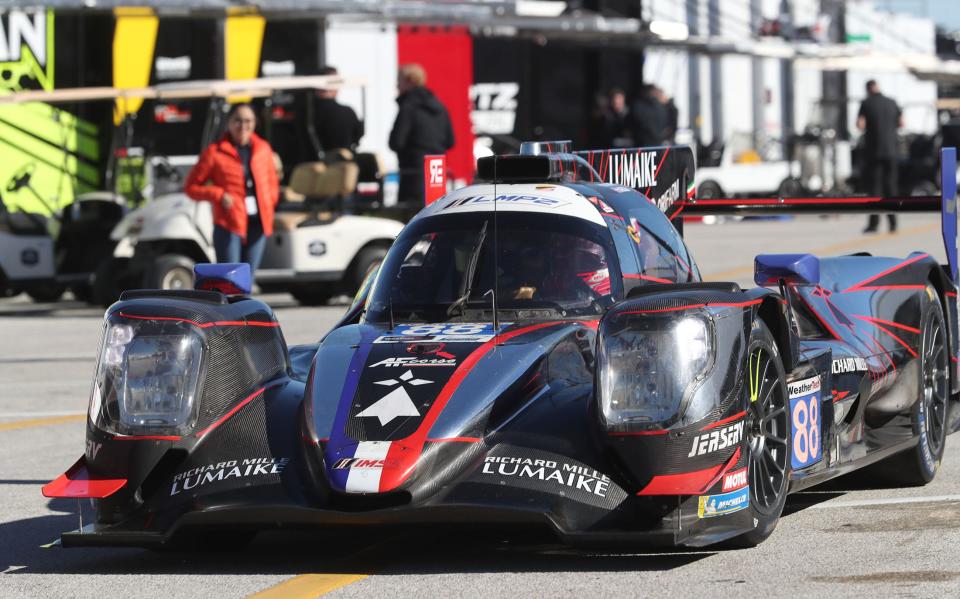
450 267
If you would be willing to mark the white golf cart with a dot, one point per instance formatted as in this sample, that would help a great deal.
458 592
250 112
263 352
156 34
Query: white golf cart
317 250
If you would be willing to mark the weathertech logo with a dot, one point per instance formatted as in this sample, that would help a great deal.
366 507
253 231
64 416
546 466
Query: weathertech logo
735 480
716 440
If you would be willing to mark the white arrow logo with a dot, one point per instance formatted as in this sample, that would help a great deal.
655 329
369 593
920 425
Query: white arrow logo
396 403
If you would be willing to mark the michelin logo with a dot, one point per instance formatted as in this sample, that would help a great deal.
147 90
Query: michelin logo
719 505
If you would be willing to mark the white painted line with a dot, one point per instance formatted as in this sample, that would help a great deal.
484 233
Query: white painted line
40 414
887 501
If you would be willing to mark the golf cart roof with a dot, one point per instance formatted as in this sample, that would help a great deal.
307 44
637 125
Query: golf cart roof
210 88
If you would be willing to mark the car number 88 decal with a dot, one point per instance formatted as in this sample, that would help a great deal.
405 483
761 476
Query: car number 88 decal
805 429
464 332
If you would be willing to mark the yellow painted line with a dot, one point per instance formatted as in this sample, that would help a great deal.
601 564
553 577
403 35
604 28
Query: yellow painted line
852 244
34 422
308 586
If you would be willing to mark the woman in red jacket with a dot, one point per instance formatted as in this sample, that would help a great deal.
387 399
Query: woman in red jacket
238 176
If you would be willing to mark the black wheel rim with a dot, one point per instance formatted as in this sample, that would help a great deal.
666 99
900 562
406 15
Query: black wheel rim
767 430
935 383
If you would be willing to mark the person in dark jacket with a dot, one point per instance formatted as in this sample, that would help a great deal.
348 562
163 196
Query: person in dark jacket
337 125
649 118
422 127
617 131
879 119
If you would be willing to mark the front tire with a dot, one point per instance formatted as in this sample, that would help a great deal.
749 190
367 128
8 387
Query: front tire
768 435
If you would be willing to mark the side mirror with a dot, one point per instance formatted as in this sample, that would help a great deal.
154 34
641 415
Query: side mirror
802 269
228 279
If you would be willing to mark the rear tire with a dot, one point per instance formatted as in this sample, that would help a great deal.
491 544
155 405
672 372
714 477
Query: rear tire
313 294
790 188
170 271
48 292
768 435
82 292
919 465
366 260
108 281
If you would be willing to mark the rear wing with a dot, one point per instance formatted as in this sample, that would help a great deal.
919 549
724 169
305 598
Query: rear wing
660 173
946 204
665 174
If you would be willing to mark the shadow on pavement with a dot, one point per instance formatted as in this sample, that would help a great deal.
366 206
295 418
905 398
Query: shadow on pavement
282 553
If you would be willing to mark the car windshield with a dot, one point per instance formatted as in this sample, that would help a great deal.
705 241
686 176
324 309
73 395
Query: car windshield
442 269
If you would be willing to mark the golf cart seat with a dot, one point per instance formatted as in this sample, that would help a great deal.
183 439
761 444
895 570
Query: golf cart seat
311 184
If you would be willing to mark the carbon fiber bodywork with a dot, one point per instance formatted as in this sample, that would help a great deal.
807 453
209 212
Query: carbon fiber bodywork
456 422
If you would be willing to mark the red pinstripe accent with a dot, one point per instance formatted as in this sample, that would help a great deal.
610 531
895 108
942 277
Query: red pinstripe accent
691 306
146 438
646 278
862 285
592 324
897 339
883 350
737 416
455 440
818 316
887 322
679 210
236 409
951 294
637 433
838 395
403 454
657 171
786 202
689 483
204 325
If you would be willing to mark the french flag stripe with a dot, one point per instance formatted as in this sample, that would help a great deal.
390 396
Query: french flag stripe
367 479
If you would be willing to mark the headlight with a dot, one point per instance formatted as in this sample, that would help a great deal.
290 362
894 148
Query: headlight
649 365
148 378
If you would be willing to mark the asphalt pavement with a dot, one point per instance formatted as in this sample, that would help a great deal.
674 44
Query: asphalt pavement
849 539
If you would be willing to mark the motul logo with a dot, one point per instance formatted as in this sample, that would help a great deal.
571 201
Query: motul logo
735 480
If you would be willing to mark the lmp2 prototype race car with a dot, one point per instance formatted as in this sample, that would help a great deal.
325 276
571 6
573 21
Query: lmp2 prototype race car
536 349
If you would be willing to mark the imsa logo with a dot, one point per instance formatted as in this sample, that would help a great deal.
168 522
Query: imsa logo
716 440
